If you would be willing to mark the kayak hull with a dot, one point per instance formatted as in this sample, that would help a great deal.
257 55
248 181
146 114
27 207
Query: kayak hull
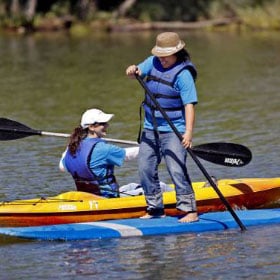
73 207
215 221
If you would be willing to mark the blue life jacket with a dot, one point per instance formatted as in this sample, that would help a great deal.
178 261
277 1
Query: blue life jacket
161 85
79 167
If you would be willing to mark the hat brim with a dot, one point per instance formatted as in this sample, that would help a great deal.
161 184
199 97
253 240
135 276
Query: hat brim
105 118
160 52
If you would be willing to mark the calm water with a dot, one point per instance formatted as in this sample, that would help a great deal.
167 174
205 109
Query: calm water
47 81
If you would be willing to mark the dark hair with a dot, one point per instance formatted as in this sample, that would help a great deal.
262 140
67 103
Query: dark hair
182 55
75 139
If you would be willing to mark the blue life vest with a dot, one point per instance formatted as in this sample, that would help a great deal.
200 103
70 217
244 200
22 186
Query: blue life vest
161 85
84 177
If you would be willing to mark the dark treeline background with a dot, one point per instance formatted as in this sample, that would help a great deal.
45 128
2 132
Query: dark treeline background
15 13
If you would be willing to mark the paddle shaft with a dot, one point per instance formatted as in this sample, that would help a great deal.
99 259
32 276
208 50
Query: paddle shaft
200 166
66 135
226 154
106 139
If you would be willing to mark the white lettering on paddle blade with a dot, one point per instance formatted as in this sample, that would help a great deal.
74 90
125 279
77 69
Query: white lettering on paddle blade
234 161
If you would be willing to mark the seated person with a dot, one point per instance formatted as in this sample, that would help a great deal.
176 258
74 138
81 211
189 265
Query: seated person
90 159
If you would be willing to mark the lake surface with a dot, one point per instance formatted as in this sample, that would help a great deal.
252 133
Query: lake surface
49 80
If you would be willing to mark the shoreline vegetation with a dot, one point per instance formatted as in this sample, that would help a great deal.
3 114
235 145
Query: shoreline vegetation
125 16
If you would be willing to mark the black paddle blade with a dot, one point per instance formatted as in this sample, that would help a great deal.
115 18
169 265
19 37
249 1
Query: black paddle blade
10 130
227 154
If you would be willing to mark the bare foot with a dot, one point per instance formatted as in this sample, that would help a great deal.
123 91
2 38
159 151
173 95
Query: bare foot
189 218
148 216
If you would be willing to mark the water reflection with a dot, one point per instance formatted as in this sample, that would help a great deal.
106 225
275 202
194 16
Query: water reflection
225 254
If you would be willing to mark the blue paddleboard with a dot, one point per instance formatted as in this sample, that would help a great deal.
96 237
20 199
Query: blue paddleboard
141 227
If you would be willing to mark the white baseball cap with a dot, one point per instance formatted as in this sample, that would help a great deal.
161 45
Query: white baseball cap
93 116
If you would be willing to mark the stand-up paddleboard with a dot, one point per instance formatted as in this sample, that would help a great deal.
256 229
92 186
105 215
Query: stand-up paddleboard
143 227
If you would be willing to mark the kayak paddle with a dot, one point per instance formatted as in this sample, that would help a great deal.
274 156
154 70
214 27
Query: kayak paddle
11 130
191 152
226 154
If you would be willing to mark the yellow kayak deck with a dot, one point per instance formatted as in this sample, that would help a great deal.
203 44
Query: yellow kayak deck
74 206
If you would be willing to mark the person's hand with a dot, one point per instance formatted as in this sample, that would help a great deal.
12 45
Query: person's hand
187 139
132 70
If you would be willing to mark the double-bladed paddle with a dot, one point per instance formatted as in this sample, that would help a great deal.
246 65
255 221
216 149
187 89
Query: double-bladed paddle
11 130
191 152
226 154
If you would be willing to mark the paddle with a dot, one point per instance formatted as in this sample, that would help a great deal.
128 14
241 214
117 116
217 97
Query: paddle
226 154
191 152
11 130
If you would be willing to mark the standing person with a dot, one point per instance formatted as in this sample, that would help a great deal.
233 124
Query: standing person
90 159
170 77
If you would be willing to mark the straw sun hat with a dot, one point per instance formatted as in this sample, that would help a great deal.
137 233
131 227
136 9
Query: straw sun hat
167 43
